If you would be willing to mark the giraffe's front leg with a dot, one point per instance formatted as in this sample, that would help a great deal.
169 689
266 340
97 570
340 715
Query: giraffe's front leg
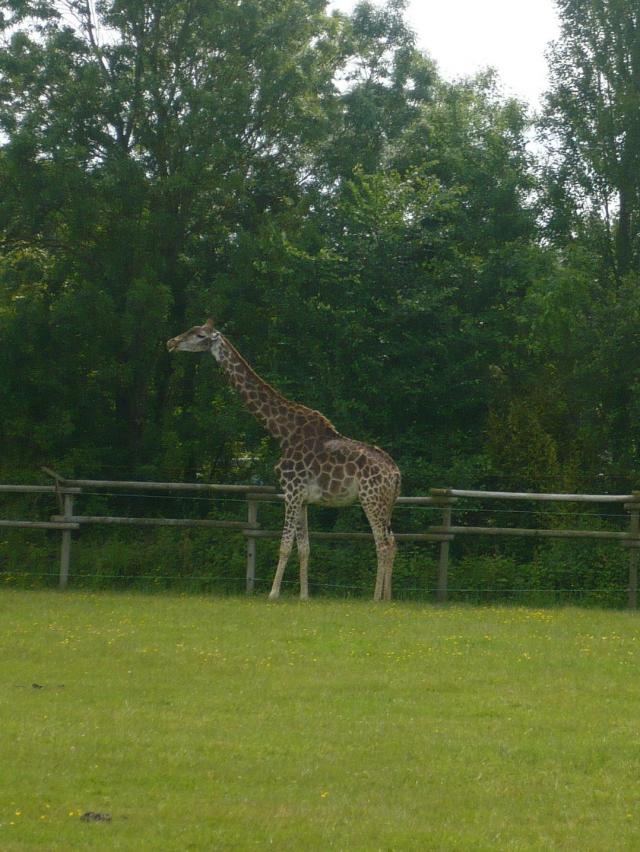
292 510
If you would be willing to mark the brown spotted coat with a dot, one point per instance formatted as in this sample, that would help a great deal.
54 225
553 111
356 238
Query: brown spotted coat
318 464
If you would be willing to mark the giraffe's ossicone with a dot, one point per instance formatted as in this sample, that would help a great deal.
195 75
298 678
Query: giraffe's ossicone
318 464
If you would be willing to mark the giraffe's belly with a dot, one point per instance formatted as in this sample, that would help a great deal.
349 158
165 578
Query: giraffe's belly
333 493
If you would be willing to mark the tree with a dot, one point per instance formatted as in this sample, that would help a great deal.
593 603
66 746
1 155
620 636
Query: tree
384 83
399 289
592 122
581 313
141 140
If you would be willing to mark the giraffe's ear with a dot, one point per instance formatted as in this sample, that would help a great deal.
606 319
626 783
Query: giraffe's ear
209 324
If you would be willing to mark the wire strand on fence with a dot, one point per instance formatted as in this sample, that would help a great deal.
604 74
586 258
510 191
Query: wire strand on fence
458 510
318 585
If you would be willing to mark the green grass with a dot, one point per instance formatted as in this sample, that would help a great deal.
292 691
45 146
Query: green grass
202 723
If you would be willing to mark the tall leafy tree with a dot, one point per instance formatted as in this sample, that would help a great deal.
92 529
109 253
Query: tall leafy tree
581 312
384 85
592 122
142 139
401 288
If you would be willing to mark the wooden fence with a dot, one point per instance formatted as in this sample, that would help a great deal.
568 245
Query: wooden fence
67 491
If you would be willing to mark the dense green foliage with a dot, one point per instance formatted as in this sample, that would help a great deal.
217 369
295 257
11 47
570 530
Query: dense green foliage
381 244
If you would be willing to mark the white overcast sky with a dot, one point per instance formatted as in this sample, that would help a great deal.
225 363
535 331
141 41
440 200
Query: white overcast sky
466 36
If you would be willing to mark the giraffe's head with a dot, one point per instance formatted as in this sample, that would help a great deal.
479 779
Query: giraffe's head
200 338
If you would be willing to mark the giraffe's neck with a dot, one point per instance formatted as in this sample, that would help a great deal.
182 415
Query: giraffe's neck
280 417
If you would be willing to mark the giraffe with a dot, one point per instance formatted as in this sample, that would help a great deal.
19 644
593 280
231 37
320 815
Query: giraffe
318 464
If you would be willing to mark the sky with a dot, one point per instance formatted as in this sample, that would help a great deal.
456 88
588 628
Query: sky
466 36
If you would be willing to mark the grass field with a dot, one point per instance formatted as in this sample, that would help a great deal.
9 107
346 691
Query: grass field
201 723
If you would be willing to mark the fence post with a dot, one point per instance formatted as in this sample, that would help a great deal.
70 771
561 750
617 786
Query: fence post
443 497
252 520
443 560
65 547
634 553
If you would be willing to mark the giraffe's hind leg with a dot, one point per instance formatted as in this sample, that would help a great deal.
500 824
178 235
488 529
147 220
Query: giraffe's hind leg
302 540
389 555
378 512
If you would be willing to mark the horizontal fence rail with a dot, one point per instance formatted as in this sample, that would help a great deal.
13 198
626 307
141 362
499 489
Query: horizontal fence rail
535 533
526 495
171 486
41 525
152 522
67 491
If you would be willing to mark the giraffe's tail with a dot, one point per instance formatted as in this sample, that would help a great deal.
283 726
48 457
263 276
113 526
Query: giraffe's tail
398 486
395 493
